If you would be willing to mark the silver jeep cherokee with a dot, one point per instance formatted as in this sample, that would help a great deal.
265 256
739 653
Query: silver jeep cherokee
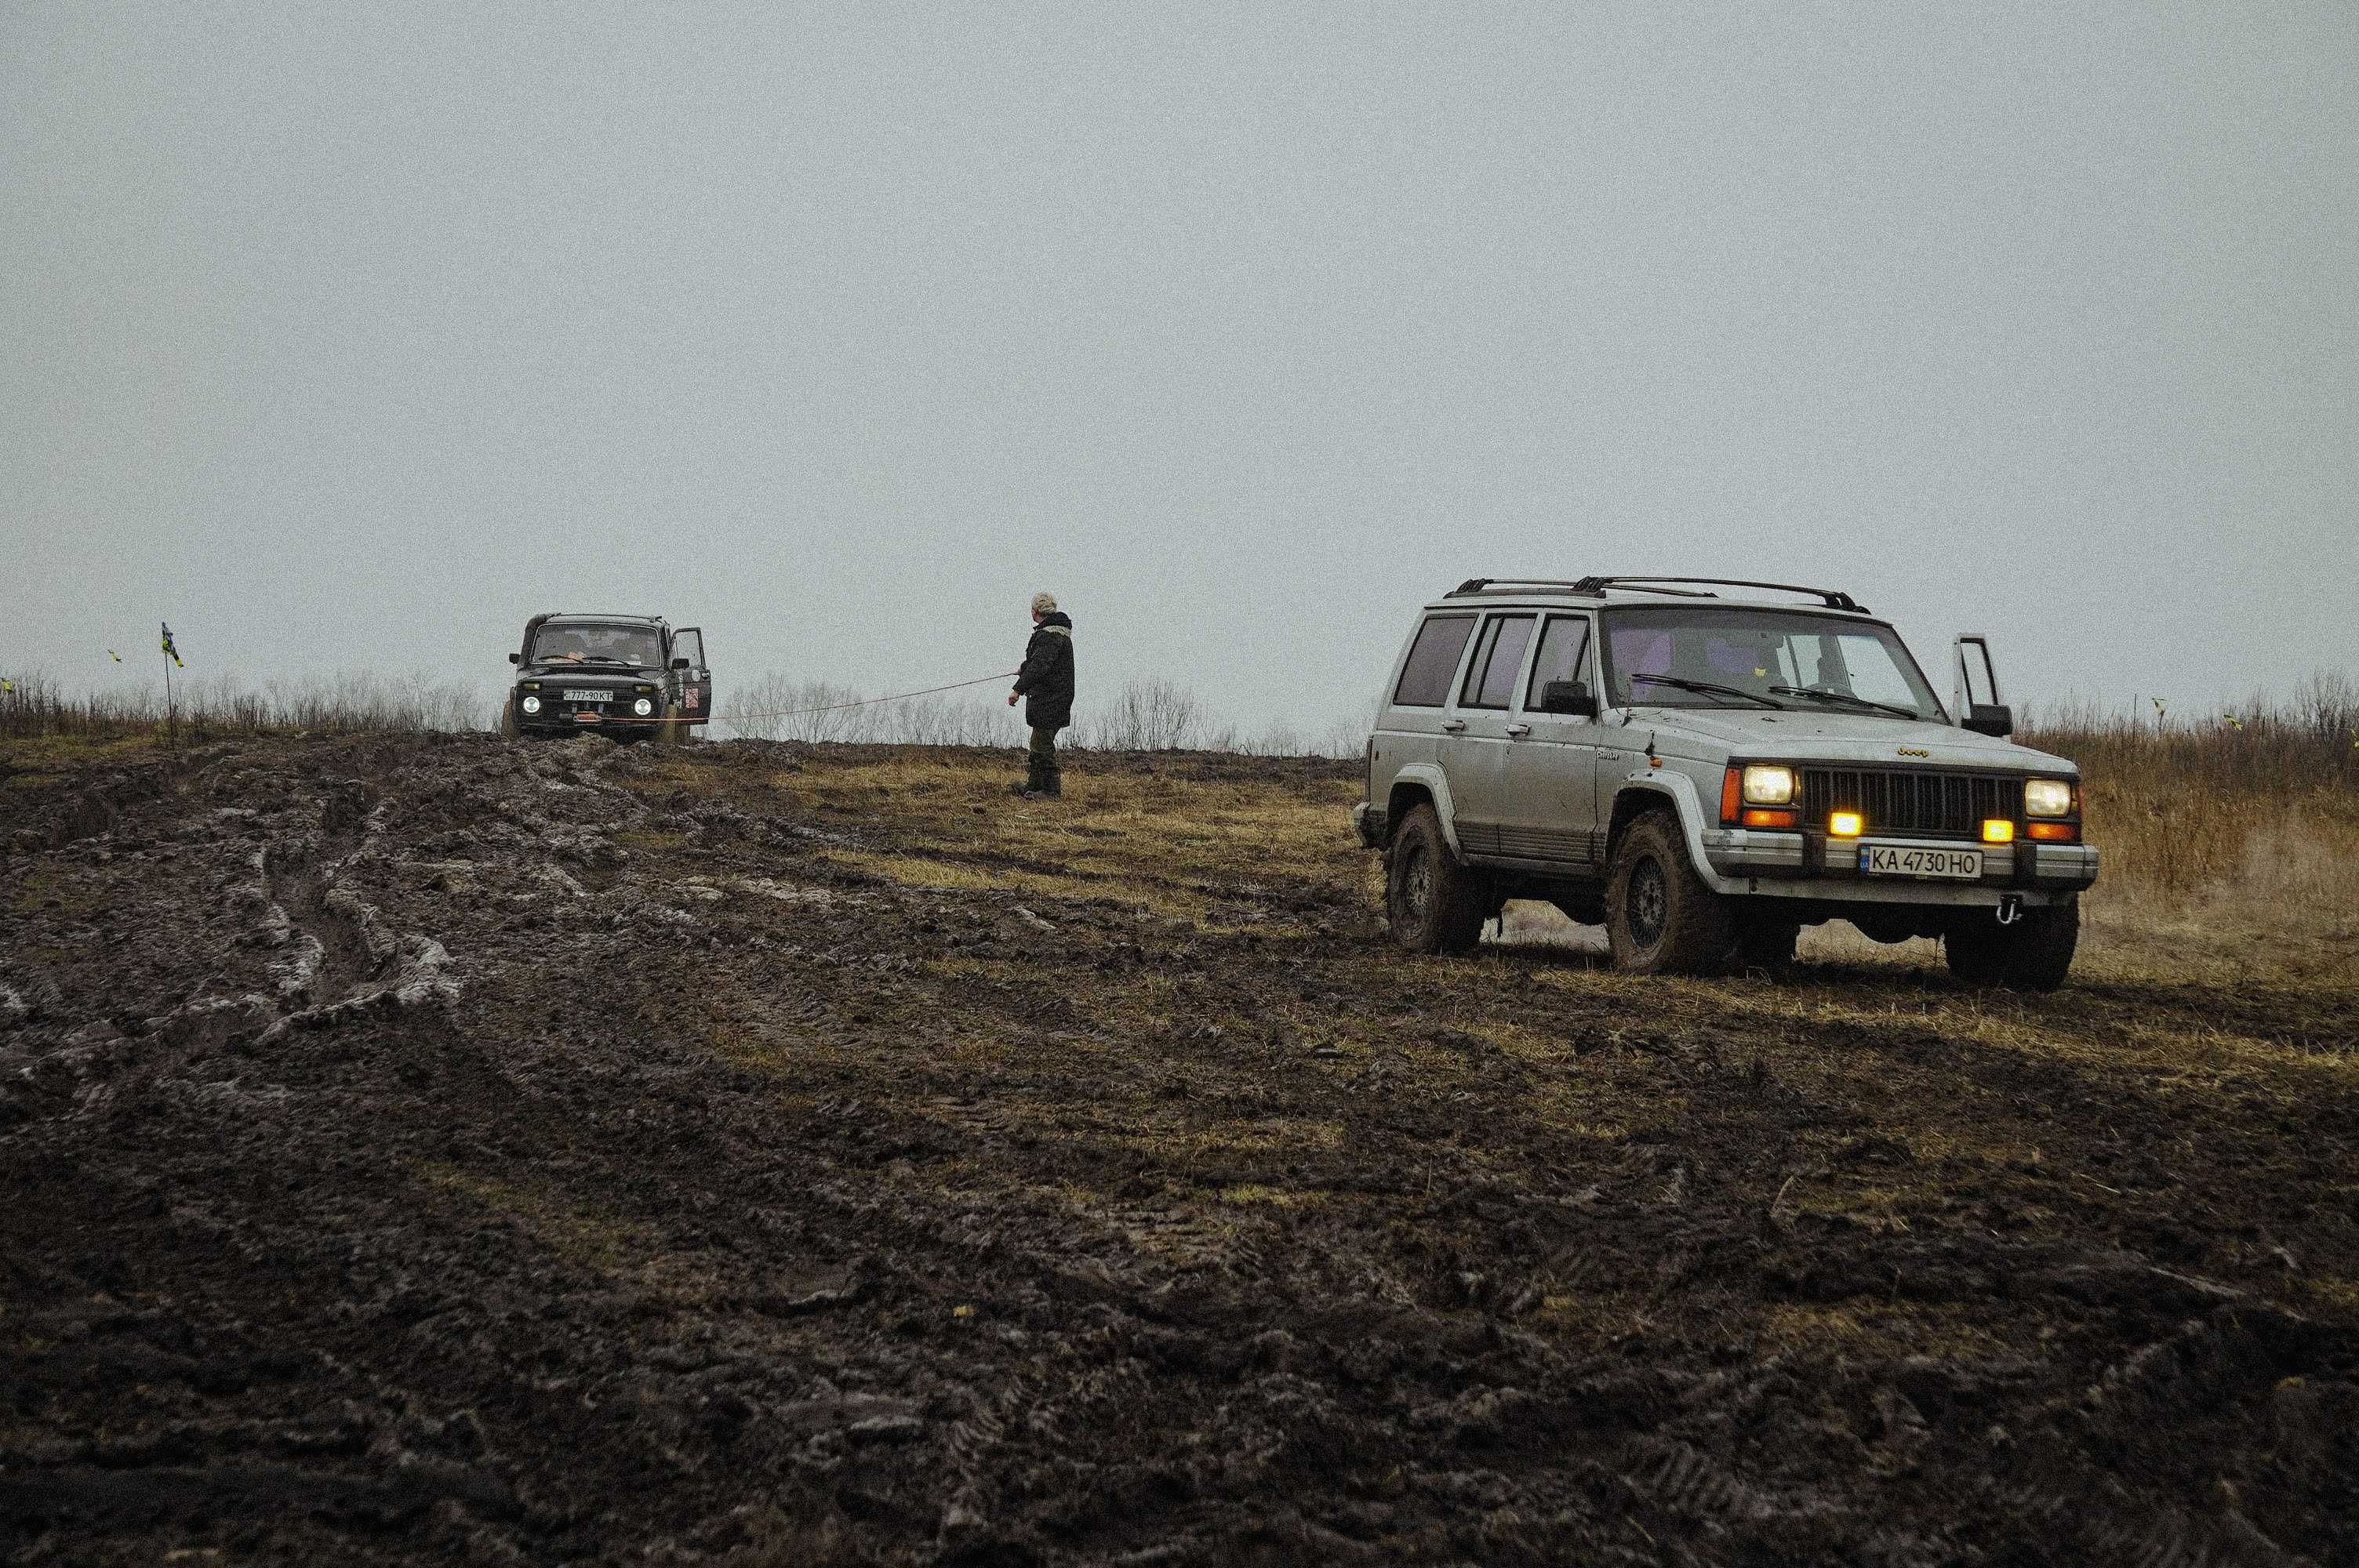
1705 776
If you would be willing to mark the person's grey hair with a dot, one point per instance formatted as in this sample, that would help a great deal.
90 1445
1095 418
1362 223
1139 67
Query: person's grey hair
1043 602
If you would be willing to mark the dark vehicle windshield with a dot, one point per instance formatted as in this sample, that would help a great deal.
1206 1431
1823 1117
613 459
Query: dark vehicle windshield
592 644
1677 657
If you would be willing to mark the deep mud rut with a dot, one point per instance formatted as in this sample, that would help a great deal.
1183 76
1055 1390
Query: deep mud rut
433 1150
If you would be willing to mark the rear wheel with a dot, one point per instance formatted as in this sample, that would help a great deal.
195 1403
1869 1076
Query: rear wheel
1437 906
1660 918
2034 954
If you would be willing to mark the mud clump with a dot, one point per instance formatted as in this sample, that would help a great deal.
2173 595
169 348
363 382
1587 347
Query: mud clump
450 1150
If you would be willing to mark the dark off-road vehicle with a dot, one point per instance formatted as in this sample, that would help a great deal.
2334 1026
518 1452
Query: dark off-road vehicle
629 677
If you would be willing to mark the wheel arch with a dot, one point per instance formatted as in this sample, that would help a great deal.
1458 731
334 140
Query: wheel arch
1656 790
1421 783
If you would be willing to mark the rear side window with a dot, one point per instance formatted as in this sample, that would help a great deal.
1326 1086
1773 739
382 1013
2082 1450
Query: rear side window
1433 660
1564 647
1491 679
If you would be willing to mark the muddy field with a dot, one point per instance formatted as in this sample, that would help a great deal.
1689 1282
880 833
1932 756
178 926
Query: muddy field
450 1150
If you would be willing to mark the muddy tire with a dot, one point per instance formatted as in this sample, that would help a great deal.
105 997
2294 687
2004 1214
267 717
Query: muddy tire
1436 904
2032 955
508 718
670 733
1660 918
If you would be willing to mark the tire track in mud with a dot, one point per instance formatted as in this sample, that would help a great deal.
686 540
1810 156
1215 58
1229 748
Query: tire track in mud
692 1247
345 961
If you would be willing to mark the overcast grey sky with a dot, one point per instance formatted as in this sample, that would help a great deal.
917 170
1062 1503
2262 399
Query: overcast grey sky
348 335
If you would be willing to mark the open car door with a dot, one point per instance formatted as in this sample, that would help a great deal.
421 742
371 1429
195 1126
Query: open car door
692 676
1972 656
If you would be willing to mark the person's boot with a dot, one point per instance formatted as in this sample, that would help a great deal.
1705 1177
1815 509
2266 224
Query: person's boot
1052 783
1031 788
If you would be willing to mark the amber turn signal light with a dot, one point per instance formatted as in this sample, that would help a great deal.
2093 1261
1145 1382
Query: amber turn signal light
1846 825
1762 817
2054 832
1998 830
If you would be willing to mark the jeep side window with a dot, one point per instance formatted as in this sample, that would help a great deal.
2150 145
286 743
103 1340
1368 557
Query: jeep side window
1564 651
1433 660
1491 677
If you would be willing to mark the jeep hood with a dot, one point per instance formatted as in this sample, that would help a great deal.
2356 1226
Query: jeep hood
1856 740
591 675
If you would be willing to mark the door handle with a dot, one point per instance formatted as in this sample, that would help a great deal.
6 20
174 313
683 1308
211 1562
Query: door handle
1454 725
1520 729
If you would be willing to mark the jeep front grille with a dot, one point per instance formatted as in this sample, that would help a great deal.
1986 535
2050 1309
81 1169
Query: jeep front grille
1906 800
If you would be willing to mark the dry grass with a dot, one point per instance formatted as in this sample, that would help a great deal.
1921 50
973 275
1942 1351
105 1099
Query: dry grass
206 708
1171 846
2254 807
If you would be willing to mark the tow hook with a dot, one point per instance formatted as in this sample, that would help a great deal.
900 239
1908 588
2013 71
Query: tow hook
2010 908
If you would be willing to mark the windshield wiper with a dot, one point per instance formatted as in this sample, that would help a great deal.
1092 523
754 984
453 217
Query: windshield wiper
1825 696
1710 688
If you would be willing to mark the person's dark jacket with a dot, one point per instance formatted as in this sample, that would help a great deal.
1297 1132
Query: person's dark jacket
1046 681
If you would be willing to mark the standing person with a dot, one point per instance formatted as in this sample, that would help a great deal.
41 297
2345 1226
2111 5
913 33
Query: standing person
1046 683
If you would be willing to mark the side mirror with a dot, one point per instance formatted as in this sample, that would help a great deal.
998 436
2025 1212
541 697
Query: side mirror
1568 697
680 664
1990 718
516 658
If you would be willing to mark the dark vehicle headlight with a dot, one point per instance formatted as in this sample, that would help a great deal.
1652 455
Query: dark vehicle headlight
530 705
643 707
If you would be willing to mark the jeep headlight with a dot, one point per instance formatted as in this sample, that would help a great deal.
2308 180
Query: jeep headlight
1767 784
530 705
643 707
2048 797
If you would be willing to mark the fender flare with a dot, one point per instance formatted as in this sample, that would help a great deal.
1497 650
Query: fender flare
1436 784
1681 792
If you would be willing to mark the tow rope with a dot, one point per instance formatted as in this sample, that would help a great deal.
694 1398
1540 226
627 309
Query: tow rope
798 712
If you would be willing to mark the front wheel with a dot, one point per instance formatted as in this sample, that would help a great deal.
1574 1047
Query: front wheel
1436 904
2031 955
1660 917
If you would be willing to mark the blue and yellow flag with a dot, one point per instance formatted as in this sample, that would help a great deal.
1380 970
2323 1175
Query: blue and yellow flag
170 652
115 656
6 685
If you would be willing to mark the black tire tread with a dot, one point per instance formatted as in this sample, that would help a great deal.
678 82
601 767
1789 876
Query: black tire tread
1458 904
1701 929
2034 954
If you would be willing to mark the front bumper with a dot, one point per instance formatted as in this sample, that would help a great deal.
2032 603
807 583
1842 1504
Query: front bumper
1368 822
1804 865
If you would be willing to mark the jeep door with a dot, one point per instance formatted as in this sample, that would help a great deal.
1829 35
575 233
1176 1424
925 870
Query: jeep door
1548 796
1474 753
694 683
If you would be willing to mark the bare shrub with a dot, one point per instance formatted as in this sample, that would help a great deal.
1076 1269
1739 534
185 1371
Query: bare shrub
1152 715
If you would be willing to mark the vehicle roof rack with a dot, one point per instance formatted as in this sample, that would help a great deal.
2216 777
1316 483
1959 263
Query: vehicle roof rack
1831 598
1510 584
1595 586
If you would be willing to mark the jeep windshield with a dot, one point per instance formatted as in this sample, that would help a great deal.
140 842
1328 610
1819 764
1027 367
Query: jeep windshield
635 646
1705 656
